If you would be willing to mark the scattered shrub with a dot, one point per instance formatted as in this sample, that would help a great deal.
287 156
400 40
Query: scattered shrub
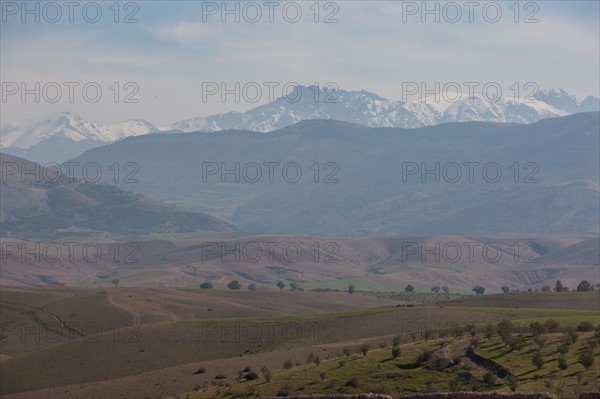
489 378
562 362
513 383
537 359
266 373
364 349
586 358
251 376
552 325
562 349
537 328
424 356
585 326
352 382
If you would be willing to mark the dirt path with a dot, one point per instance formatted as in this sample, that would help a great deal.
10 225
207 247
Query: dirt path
135 315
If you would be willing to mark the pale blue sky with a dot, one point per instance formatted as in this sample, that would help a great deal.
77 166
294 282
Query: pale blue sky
171 51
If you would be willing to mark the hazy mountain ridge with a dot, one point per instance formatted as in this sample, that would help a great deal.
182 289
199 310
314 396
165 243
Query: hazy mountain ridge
43 202
365 167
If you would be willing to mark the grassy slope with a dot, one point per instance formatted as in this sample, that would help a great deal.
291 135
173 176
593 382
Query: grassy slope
379 372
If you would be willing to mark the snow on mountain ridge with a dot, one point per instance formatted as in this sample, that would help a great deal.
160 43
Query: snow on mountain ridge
71 126
358 107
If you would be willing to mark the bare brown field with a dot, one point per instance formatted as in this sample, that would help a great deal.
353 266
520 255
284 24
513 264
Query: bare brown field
532 300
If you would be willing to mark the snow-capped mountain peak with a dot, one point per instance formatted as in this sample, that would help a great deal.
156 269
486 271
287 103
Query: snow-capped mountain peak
70 126
314 102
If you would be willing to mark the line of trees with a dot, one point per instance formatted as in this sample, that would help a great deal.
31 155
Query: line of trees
583 286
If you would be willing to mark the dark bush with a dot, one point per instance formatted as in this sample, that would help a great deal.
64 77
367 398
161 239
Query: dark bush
352 382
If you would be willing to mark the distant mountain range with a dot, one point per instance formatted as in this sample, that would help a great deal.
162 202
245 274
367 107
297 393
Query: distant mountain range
44 203
61 136
348 179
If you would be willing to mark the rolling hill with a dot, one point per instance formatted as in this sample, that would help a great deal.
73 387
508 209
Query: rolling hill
39 202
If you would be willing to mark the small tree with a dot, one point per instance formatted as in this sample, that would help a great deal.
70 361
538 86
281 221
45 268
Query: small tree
505 289
293 286
552 325
537 328
584 285
546 288
435 289
489 378
115 281
234 285
585 326
206 285
537 359
490 331
453 384
540 341
364 349
445 289
586 358
352 382
505 330
563 349
562 362
266 373
395 351
513 383
559 287
281 285
396 340
347 352
351 289
478 289
409 288
252 287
